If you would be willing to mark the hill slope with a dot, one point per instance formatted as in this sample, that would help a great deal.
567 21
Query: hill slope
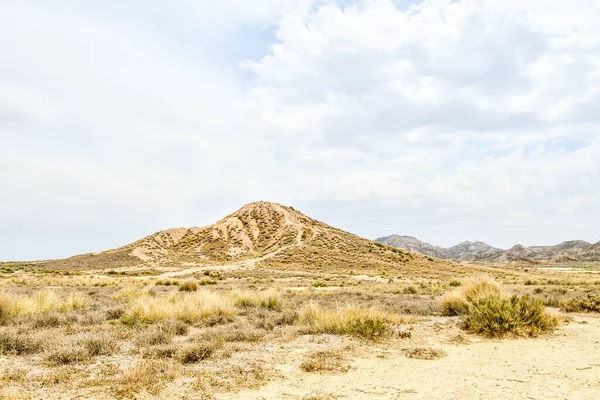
267 235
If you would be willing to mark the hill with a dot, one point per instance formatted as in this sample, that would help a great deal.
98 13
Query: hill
264 235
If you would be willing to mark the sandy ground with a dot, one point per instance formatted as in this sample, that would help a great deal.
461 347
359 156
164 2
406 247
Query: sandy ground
564 365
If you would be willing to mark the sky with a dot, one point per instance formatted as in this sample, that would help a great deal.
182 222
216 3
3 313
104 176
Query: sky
444 120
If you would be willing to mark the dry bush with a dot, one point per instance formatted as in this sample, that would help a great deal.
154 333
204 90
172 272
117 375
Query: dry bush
425 353
229 378
197 351
155 335
189 285
325 361
99 345
228 333
67 352
14 342
148 375
164 351
369 324
589 304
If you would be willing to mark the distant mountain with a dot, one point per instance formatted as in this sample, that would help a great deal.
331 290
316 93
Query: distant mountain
592 253
460 252
413 244
480 252
468 249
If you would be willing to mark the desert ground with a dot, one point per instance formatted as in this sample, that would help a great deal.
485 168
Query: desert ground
241 331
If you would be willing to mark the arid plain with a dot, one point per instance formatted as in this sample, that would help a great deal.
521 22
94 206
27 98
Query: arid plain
271 304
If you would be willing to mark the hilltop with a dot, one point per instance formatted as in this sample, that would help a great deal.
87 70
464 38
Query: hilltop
267 235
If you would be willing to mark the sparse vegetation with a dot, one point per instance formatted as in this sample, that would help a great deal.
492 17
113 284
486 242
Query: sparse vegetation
325 361
149 332
425 353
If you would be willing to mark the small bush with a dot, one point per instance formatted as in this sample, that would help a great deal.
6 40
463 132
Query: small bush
12 342
155 335
589 304
51 320
114 313
454 283
160 352
425 353
410 290
199 351
175 327
99 345
188 285
325 361
67 353
498 315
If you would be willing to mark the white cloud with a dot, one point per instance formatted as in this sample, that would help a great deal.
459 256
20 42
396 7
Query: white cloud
447 120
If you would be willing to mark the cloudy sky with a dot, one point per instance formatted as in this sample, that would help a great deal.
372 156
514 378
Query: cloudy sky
445 120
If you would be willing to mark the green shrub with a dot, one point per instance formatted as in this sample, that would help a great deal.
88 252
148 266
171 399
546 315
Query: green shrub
498 315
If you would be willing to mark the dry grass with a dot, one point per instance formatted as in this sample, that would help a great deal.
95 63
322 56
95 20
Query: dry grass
369 324
146 376
425 353
268 299
40 302
325 361
456 303
189 285
190 308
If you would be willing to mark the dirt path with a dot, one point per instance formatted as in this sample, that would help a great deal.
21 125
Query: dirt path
565 365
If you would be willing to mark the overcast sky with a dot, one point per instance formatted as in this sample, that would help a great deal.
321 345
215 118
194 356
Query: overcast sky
444 120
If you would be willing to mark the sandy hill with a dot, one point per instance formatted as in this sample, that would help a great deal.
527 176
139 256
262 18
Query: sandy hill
267 235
